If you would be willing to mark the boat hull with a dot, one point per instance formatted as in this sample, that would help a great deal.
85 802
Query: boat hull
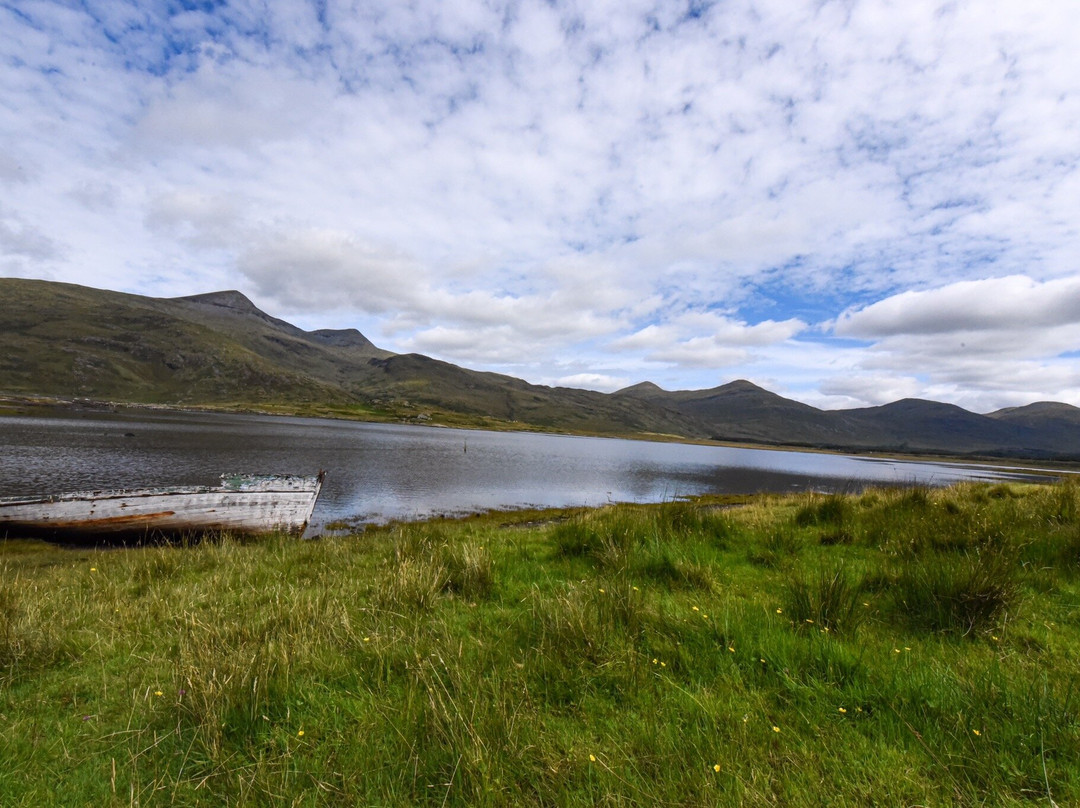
242 504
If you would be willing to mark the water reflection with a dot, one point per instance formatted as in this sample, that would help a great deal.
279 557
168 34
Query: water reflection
378 472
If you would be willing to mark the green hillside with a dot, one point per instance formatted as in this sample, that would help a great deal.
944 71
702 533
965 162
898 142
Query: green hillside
65 340
219 350
741 411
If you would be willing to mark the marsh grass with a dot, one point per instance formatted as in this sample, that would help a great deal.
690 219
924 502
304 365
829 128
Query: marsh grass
630 655
1067 555
1061 503
832 601
780 546
957 592
469 572
428 562
832 509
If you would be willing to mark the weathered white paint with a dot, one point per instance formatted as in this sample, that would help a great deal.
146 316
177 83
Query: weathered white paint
242 504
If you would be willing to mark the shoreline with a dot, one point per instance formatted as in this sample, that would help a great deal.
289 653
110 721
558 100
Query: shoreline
19 404
665 655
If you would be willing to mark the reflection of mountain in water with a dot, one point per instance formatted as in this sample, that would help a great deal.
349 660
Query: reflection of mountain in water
378 472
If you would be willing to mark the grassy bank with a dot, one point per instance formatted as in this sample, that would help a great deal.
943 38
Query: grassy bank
911 647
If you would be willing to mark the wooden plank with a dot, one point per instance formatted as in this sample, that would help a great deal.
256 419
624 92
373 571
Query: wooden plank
244 503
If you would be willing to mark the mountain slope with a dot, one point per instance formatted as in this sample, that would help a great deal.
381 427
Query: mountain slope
67 340
433 383
1042 415
742 411
933 426
219 349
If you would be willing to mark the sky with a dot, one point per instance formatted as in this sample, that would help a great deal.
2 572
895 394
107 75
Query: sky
846 202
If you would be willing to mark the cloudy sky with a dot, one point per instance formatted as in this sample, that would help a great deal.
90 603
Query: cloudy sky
846 202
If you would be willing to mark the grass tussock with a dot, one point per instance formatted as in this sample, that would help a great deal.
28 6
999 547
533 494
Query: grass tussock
832 509
778 547
832 601
956 592
897 647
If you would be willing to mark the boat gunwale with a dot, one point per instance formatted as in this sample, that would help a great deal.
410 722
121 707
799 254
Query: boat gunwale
314 487
301 491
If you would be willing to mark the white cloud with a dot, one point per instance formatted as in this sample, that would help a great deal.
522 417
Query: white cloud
618 185
18 238
994 305
593 381
234 105
13 169
985 344
309 268
196 218
855 391
94 194
705 340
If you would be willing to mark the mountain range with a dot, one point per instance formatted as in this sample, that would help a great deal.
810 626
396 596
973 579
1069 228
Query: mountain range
219 350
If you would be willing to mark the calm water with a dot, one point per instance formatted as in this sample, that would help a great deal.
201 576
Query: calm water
378 472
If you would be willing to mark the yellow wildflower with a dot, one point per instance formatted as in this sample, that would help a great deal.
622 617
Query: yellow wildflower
779 611
976 732
592 758
842 710
300 734
716 767
776 729
158 693
695 608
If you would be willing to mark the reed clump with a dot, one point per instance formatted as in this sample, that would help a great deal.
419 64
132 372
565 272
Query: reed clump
962 591
427 563
831 601
897 646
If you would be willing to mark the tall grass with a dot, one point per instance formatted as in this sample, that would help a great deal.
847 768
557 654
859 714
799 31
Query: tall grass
666 655
833 601
960 592
831 509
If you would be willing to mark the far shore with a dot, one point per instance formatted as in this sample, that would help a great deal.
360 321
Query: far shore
20 404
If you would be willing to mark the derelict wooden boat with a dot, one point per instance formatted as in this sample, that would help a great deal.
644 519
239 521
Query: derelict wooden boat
243 503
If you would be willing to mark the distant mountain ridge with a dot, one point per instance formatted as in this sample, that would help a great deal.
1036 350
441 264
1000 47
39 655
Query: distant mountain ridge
218 349
742 411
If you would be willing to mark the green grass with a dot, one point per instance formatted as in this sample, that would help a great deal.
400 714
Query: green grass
911 647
